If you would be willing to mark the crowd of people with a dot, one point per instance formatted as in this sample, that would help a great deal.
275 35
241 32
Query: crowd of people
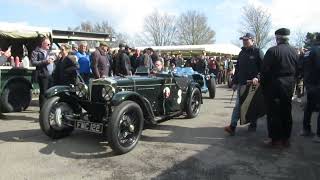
278 71
104 62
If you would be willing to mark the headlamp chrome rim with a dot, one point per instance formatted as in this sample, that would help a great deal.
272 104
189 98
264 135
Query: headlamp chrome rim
107 92
81 90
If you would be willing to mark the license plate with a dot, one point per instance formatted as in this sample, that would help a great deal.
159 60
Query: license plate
89 126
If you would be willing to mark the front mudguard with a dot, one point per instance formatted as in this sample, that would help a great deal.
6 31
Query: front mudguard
145 105
57 91
66 94
119 97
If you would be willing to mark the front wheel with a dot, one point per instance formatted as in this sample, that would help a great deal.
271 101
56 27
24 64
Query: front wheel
51 118
125 127
194 103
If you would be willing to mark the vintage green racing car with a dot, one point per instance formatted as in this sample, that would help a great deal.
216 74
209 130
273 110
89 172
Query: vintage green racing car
119 107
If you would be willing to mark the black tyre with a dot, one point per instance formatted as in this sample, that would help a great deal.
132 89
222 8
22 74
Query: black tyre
212 88
230 81
125 127
16 97
51 118
194 103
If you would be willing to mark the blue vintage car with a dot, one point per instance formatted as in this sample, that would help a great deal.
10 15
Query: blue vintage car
207 81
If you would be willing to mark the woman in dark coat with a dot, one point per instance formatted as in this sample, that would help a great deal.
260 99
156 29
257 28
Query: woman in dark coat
65 72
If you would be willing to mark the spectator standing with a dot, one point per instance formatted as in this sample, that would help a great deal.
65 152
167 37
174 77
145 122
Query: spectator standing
122 62
146 59
311 78
75 48
84 62
100 64
65 72
43 61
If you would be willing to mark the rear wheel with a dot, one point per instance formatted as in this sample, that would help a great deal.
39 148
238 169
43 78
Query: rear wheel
125 127
212 88
16 97
51 118
194 103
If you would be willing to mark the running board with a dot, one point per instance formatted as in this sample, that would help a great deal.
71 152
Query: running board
163 118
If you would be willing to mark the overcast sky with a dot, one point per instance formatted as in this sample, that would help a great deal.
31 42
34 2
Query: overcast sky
127 15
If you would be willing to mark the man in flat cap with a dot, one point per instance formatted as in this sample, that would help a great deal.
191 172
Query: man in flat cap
278 79
248 67
122 61
311 79
100 64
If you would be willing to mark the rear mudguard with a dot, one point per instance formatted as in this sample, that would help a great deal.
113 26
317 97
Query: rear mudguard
192 86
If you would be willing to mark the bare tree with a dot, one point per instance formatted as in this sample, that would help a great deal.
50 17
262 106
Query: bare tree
159 29
104 27
298 39
193 29
257 21
86 26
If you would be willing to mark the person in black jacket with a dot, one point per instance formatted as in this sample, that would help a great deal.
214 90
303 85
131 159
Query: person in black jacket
278 79
122 61
66 67
248 67
311 78
42 59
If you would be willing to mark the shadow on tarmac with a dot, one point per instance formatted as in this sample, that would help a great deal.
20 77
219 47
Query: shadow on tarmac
69 147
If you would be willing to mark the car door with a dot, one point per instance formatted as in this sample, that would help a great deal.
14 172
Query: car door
151 89
174 100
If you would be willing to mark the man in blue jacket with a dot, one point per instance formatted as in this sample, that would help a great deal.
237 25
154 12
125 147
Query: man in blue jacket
84 62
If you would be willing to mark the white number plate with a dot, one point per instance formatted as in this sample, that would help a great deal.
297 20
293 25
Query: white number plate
89 126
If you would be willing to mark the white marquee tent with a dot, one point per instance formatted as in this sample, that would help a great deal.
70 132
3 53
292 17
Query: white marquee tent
213 48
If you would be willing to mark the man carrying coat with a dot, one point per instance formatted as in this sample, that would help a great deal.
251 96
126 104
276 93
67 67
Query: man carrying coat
278 79
248 67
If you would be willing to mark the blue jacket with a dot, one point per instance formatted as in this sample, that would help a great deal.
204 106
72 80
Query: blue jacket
84 62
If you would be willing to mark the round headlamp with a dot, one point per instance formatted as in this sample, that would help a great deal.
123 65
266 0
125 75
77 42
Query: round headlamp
107 92
81 90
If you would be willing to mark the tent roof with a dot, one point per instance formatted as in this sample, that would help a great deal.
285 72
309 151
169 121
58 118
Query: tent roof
18 30
213 48
22 31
